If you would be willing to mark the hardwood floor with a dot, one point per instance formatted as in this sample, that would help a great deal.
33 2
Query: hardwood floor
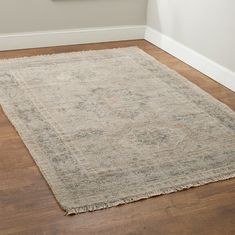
27 205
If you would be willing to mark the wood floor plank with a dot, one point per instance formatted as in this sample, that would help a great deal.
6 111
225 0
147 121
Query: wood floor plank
27 205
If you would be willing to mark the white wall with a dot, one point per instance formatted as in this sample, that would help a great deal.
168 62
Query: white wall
40 15
205 26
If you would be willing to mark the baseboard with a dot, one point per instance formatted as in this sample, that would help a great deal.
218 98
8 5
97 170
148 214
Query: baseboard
210 68
70 37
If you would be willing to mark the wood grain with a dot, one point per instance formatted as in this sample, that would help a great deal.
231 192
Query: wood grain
27 205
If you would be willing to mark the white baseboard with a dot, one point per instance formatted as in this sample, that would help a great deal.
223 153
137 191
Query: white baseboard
210 68
70 37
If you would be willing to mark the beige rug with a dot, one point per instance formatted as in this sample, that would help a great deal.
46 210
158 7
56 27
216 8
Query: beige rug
115 126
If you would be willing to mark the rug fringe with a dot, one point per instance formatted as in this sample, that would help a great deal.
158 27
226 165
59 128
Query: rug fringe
105 205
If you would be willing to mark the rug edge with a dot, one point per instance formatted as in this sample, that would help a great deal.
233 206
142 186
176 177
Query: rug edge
14 122
127 200
4 61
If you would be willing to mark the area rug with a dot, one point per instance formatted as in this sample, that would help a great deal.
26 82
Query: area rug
110 127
